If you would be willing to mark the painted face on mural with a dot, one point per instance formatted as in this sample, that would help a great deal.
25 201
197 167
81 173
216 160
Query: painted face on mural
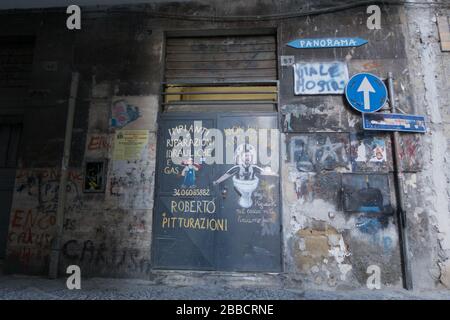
248 158
245 155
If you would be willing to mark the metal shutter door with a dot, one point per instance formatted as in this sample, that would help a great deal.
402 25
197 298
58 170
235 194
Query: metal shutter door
220 59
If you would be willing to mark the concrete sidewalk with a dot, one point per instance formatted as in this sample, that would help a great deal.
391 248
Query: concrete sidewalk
27 287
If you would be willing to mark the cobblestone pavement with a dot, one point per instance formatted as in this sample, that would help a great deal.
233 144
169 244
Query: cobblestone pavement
27 287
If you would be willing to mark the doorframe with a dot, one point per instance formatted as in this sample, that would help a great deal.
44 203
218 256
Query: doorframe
271 30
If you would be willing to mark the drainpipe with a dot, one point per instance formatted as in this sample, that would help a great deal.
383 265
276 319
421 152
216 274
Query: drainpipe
62 191
399 191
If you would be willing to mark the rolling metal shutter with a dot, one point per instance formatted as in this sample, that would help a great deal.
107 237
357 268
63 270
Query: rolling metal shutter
221 59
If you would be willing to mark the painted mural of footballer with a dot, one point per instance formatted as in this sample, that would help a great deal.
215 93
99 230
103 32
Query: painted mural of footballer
244 173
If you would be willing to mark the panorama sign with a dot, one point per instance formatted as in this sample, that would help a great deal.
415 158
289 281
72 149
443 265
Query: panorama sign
326 43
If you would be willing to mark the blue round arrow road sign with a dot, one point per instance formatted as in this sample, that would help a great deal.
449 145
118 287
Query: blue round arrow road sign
366 92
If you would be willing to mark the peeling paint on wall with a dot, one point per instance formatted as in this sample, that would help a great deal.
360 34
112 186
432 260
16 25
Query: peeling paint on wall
316 152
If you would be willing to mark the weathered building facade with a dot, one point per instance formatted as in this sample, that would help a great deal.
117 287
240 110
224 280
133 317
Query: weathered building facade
324 219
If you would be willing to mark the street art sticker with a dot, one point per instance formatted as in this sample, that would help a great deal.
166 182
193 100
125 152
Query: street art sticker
320 78
130 144
316 152
94 176
123 113
370 152
134 112
366 193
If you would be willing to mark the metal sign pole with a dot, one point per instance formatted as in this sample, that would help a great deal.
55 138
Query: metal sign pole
62 192
399 190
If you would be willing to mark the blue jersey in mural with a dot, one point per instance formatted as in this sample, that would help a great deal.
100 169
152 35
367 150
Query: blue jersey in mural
189 173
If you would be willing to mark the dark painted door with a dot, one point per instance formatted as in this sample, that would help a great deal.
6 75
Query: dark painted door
221 216
250 191
184 202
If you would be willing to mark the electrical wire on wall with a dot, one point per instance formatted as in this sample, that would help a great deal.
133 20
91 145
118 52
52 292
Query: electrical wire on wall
145 9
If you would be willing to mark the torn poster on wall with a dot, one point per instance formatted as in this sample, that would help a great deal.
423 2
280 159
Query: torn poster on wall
130 144
123 113
370 152
377 151
320 78
94 176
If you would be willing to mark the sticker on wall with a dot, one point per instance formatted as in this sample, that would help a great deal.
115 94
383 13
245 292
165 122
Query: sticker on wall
320 78
378 151
134 112
94 176
394 122
370 152
326 43
130 144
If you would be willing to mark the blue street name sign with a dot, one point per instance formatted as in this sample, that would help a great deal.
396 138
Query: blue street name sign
394 122
326 43
366 92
